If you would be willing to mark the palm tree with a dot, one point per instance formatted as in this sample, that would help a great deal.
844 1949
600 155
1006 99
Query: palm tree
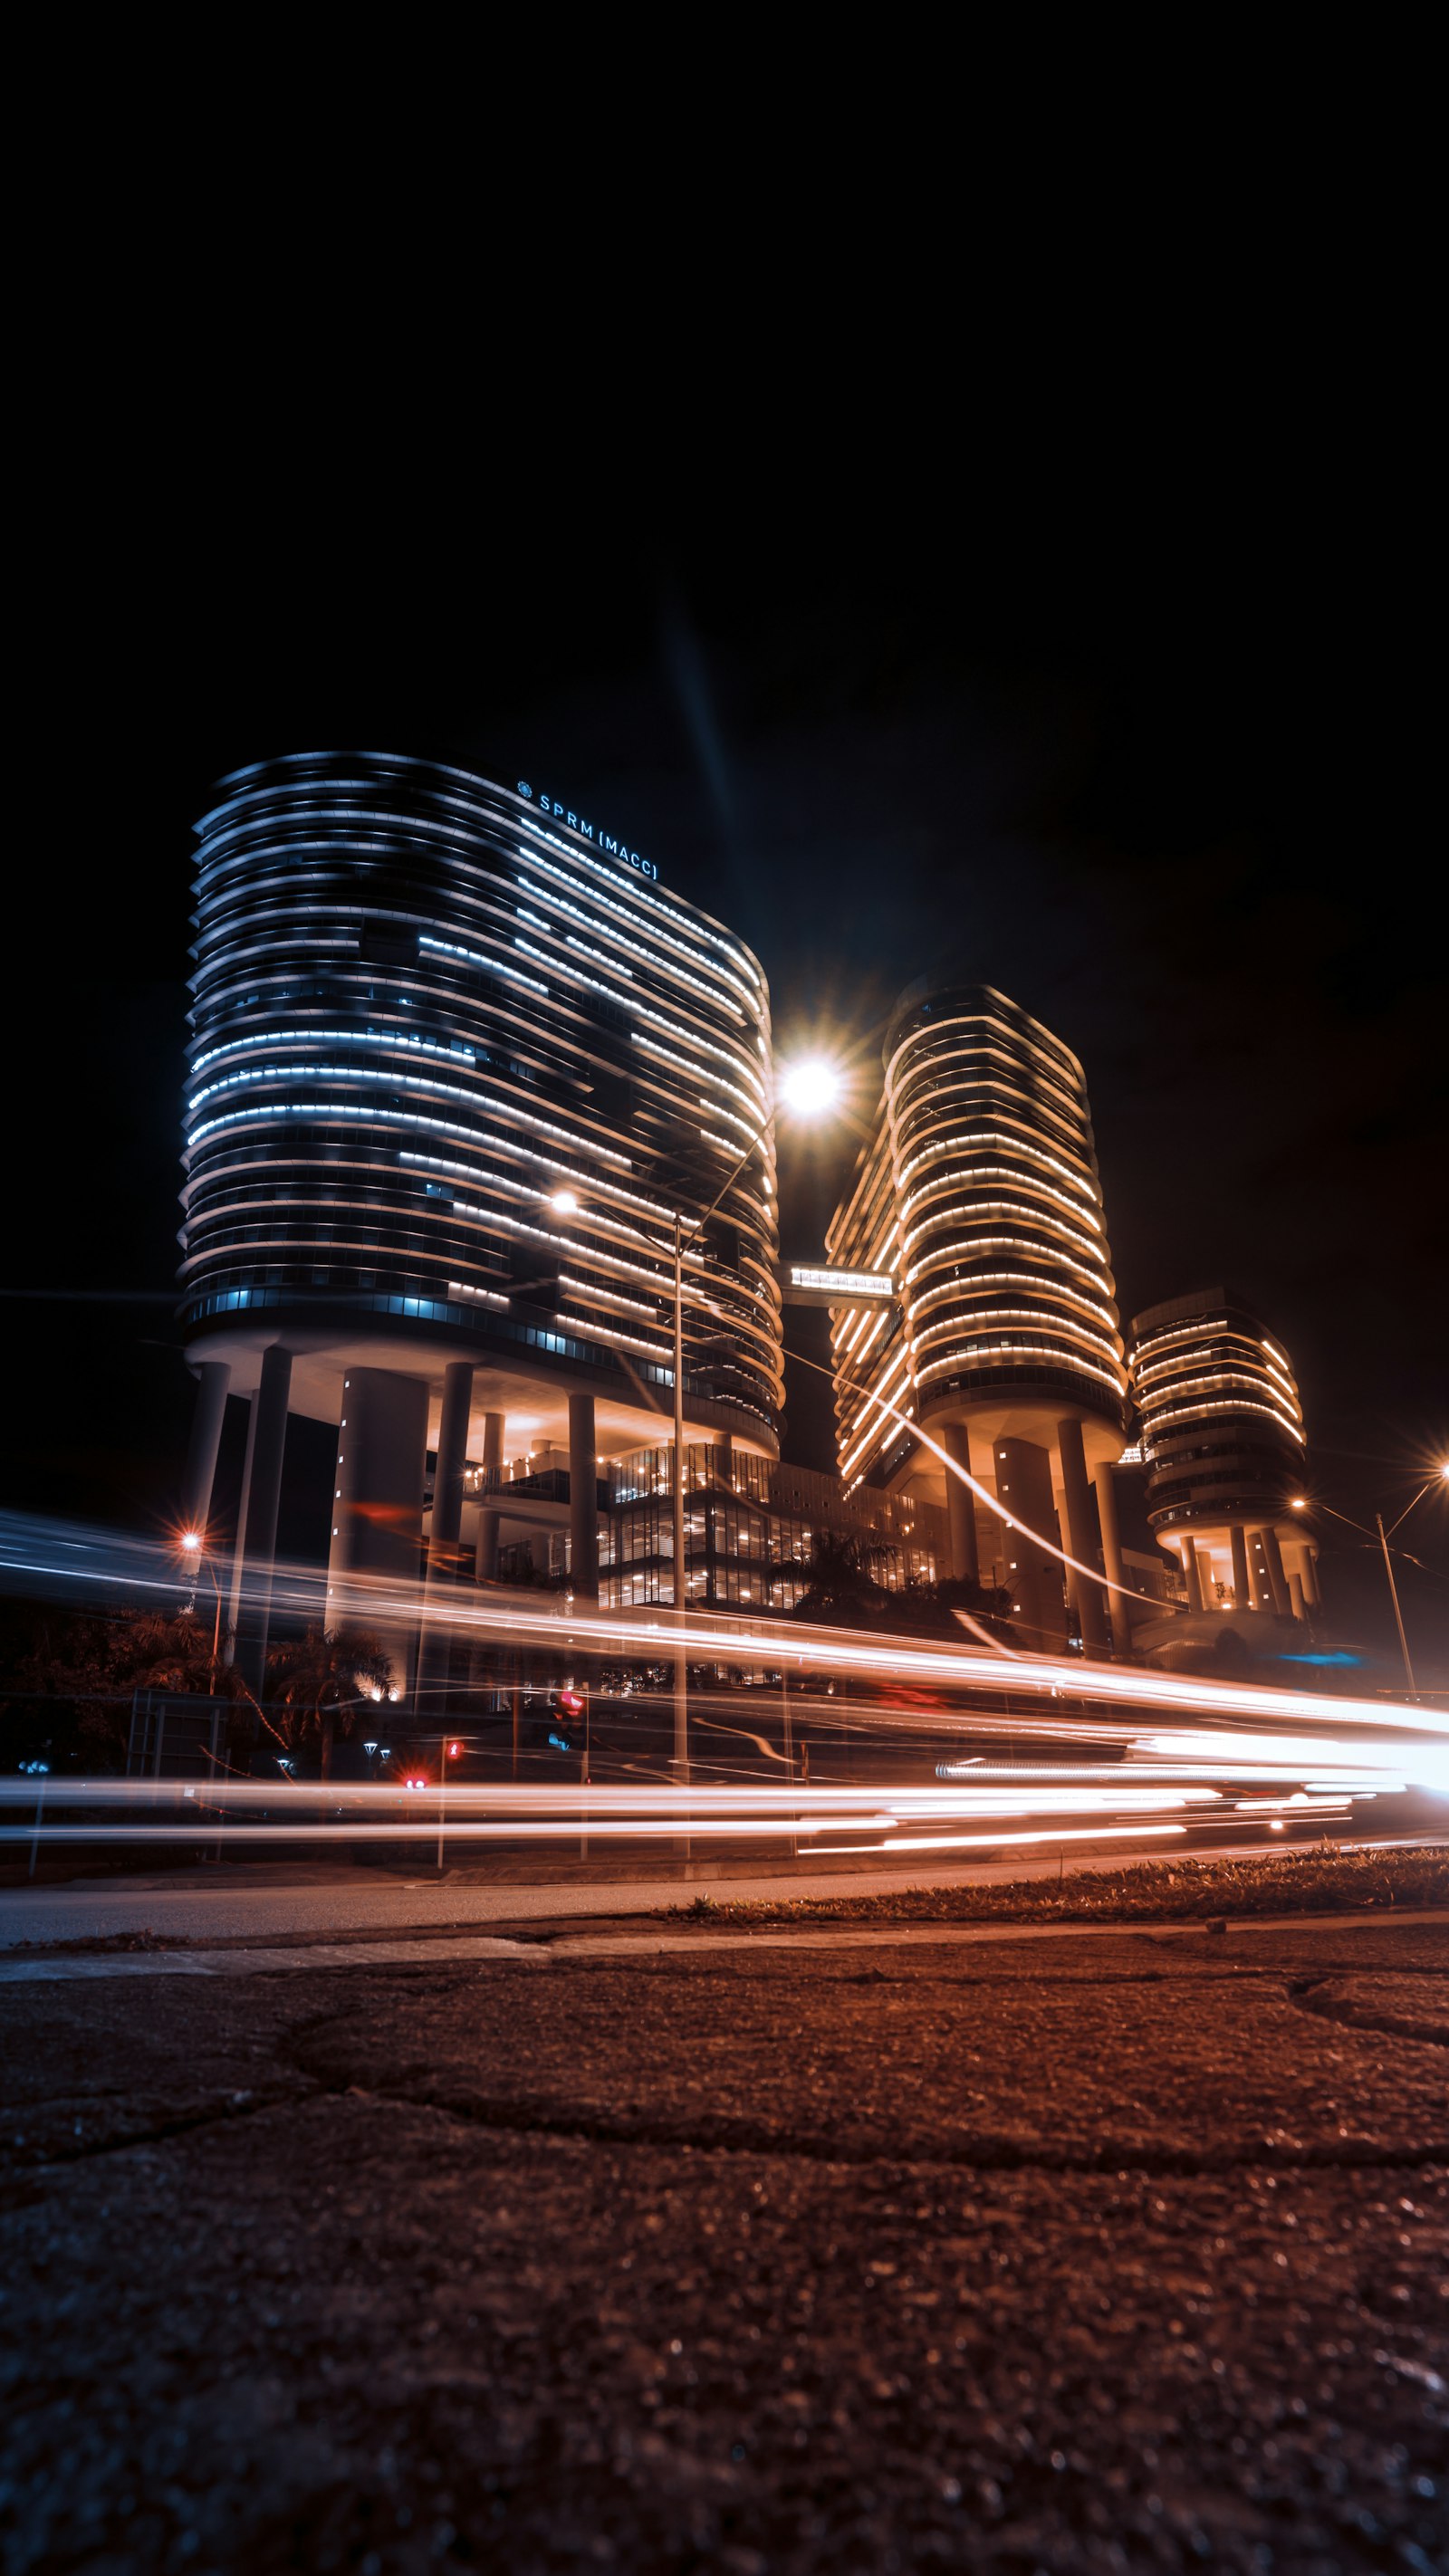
842 1589
844 1592
322 1679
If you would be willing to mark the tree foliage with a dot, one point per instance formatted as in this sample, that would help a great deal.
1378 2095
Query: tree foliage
321 1682
845 1592
73 1675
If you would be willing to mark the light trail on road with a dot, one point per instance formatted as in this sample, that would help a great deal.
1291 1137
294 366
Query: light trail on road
1185 1751
66 1561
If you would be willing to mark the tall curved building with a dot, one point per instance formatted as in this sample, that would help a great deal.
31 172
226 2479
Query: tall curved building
456 1060
980 1194
1222 1433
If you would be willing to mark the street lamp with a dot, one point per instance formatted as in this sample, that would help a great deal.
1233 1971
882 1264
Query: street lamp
807 1089
1300 1503
193 1547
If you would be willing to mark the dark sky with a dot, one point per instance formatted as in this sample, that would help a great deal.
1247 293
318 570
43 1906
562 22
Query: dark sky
1145 758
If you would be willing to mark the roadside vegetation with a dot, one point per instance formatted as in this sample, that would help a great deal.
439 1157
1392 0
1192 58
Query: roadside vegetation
1319 1881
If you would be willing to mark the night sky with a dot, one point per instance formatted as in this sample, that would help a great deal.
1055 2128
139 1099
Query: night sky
1154 774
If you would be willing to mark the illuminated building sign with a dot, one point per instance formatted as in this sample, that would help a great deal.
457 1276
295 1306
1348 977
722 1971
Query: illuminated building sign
807 1286
601 840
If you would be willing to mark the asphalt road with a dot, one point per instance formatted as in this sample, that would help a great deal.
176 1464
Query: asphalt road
228 1901
1062 2255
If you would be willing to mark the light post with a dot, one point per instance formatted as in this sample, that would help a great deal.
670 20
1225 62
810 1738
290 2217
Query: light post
807 1089
1300 1503
193 1547
447 1752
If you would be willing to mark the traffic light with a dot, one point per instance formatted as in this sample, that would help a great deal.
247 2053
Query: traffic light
567 1710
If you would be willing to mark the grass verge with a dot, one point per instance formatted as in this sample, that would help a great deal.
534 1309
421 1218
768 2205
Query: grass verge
1303 1882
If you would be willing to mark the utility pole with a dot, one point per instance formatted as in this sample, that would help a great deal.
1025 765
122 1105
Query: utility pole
681 1655
1398 1614
790 1756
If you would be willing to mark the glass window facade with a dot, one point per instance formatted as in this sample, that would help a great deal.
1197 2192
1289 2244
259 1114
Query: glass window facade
1222 1426
421 1009
980 1191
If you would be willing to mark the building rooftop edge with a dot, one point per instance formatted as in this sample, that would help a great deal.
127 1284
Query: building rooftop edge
1197 1301
233 779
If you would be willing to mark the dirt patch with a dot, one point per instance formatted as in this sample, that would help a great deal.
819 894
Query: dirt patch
1311 1882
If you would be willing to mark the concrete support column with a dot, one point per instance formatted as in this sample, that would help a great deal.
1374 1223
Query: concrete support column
213 1379
1206 1584
1273 1559
1258 1577
448 1474
1087 1596
724 1462
1192 1574
961 1505
1242 1596
1295 1595
1311 1593
583 1499
486 1562
435 1644
259 1541
377 1510
238 1562
1024 1484
1106 1493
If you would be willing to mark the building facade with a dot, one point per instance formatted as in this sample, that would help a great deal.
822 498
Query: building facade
979 1192
457 1060
750 1531
1223 1441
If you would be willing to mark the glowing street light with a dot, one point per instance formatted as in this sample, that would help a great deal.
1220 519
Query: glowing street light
809 1088
192 1544
1298 1503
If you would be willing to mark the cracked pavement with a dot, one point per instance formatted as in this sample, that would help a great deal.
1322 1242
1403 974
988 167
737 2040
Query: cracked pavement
749 2258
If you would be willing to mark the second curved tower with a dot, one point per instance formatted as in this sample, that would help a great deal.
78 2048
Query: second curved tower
980 1193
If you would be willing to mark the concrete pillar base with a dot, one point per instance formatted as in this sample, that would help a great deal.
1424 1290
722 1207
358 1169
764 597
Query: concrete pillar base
485 1563
213 1380
259 1544
377 1507
1242 1591
961 1505
1024 1485
583 1500
1087 1599
1117 1609
444 1567
1278 1580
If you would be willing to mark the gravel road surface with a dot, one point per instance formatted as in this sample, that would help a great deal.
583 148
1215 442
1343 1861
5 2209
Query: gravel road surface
1050 2254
